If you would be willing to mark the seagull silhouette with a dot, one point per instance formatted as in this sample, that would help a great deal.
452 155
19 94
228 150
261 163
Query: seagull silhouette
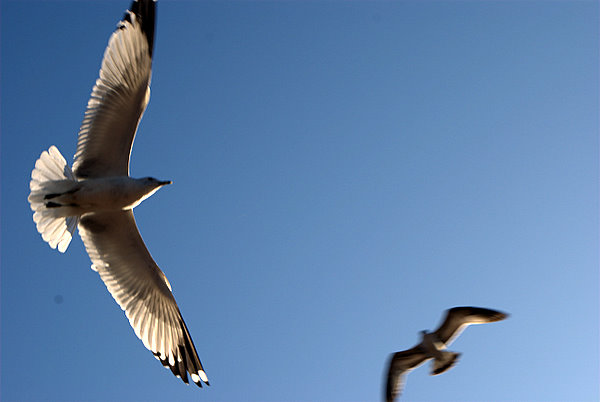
433 344
98 196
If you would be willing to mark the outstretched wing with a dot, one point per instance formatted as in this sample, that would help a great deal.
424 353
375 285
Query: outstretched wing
400 364
120 256
119 97
458 318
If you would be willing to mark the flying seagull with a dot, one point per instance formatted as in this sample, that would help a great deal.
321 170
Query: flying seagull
433 344
98 196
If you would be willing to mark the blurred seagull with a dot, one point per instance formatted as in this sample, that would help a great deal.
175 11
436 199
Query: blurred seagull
98 196
433 344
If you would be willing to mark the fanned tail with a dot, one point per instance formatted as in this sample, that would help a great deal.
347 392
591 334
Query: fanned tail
446 362
50 179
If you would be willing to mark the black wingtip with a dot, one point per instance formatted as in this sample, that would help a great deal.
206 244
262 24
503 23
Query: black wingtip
145 12
199 383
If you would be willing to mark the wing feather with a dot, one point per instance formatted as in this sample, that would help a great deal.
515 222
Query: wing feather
400 364
119 255
458 318
119 98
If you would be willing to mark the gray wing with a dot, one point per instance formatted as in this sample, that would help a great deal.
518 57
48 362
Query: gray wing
119 97
400 364
458 318
120 256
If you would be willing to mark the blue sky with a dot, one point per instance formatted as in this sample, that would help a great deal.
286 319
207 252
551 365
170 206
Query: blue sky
343 172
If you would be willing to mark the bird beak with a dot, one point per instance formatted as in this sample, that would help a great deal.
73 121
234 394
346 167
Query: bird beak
164 183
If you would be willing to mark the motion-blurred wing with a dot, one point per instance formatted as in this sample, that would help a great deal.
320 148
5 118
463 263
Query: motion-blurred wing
458 318
400 364
119 97
118 253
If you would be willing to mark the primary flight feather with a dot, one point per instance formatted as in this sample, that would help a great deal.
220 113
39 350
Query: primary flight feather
98 196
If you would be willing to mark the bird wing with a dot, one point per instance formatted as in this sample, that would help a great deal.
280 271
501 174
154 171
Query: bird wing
400 364
120 256
458 318
119 97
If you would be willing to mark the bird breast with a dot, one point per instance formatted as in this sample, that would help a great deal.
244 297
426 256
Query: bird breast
109 194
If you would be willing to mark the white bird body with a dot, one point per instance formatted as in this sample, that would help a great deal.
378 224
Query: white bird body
97 197
103 194
112 193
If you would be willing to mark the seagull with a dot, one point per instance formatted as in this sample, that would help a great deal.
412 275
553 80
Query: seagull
97 196
433 344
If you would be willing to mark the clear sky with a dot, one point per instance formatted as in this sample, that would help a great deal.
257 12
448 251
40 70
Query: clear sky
342 173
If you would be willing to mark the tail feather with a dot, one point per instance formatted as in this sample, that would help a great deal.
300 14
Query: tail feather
446 362
50 166
52 176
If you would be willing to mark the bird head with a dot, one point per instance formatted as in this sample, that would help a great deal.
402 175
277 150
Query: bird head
150 186
153 183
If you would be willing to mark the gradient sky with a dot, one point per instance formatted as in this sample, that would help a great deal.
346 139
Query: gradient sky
342 173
